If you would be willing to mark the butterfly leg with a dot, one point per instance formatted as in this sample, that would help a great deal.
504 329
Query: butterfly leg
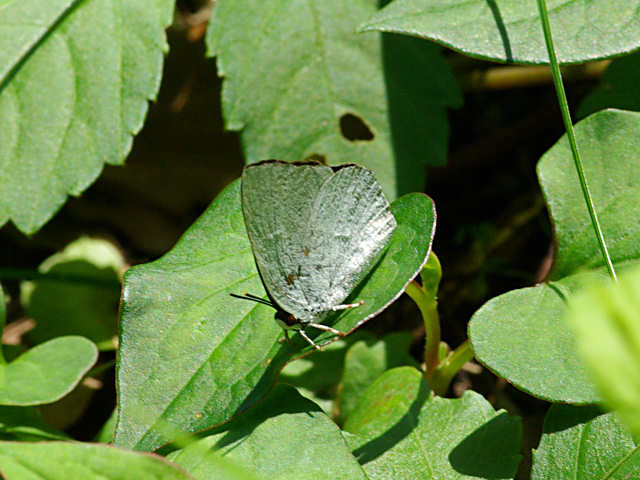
306 337
335 308
319 326
286 337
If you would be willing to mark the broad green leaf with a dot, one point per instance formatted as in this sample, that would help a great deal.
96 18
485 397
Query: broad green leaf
365 362
75 80
47 372
581 443
25 424
510 30
201 462
82 299
522 335
287 437
618 87
606 321
610 148
294 71
192 356
65 460
400 430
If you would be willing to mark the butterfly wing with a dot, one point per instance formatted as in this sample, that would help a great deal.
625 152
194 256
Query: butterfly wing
277 200
350 225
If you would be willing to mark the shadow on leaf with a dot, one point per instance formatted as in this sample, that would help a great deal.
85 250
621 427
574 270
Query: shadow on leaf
478 453
379 445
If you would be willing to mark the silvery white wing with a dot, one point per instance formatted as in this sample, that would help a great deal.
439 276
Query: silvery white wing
316 231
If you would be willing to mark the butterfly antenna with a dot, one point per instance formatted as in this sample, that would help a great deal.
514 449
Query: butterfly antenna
253 298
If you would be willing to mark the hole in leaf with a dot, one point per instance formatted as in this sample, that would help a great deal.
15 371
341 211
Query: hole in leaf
353 128
316 157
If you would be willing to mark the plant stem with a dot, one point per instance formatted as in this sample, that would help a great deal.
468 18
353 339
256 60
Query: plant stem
428 308
452 365
566 117
526 76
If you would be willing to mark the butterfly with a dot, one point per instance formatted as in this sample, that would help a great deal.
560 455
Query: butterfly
316 231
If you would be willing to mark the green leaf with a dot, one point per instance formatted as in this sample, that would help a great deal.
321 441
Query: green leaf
316 376
75 80
294 71
47 372
25 424
522 335
64 460
203 463
606 321
105 435
365 361
579 442
609 143
86 303
399 430
286 437
618 87
192 356
510 30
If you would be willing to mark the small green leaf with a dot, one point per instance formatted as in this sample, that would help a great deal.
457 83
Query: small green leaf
65 460
47 372
105 435
322 371
399 430
300 82
580 442
192 356
365 361
618 87
87 303
510 30
286 437
75 80
606 321
522 335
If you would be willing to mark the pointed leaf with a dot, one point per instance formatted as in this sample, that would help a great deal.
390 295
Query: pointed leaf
47 372
510 30
191 356
300 82
286 437
75 79
399 430
580 442
522 335
65 460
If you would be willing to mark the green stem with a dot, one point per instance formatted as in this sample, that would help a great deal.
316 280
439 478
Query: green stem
99 369
452 365
428 308
27 274
566 117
